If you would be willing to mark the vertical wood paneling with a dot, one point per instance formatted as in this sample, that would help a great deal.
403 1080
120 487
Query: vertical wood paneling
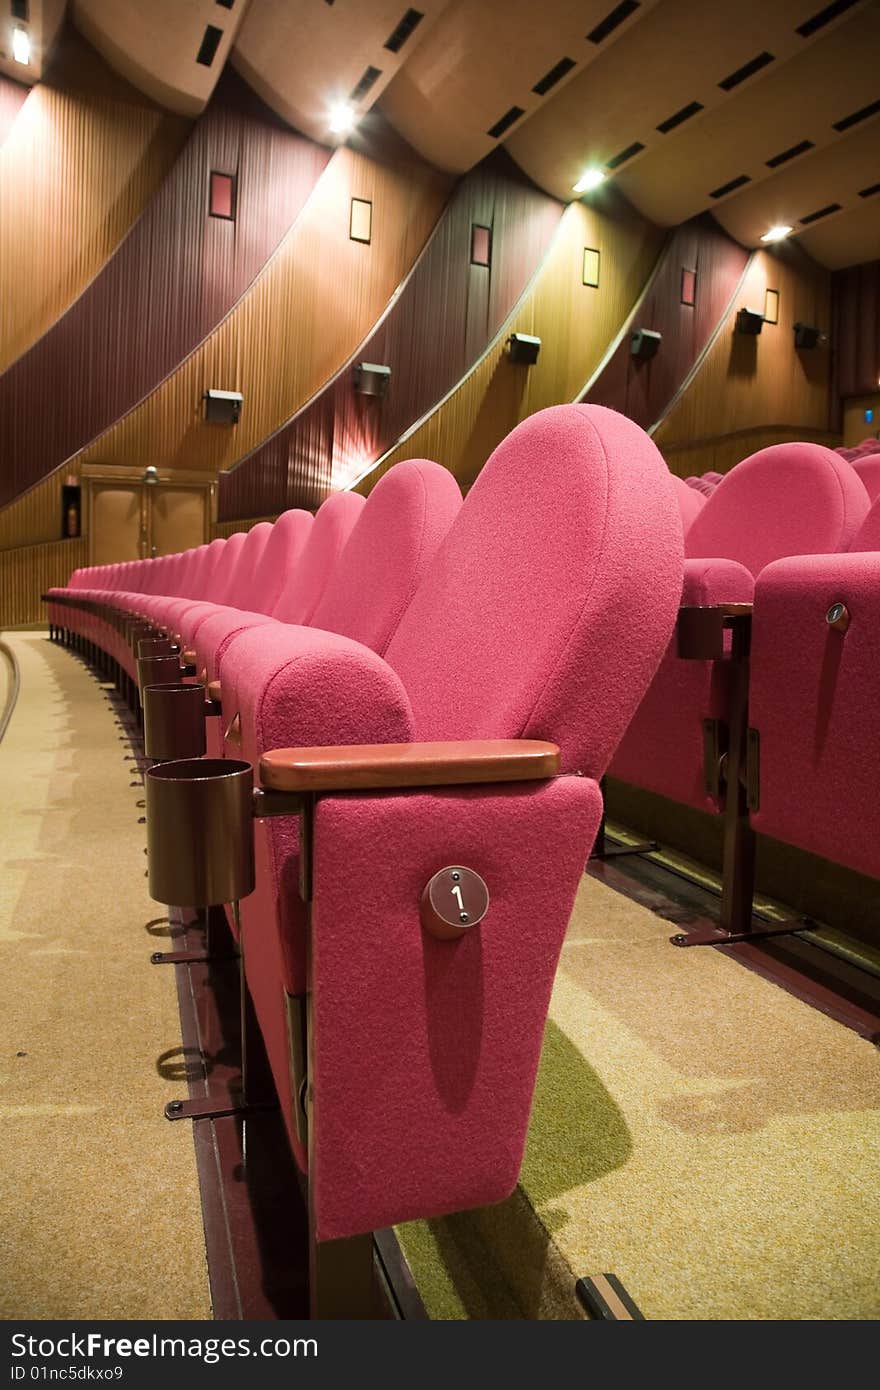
644 389
575 325
27 573
12 97
721 454
84 156
35 516
298 322
749 383
446 313
855 296
170 282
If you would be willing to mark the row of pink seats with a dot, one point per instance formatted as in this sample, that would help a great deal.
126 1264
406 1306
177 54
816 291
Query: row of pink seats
440 628
793 532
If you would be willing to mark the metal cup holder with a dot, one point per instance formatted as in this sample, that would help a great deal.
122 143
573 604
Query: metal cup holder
174 721
135 631
158 670
156 646
200 837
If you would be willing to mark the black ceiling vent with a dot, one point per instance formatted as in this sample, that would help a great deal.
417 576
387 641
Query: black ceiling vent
823 17
226 4
611 21
624 155
553 76
507 120
822 212
729 187
369 79
788 154
754 65
210 44
21 10
410 21
869 191
680 117
856 116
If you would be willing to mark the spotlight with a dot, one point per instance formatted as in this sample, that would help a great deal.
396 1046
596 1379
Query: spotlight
342 118
777 233
150 475
371 379
644 343
21 46
805 336
223 407
749 321
523 348
591 179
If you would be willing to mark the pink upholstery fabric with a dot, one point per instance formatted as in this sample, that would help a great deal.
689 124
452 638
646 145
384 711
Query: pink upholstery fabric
868 469
812 702
516 629
407 515
329 534
426 1051
280 558
238 587
690 502
790 499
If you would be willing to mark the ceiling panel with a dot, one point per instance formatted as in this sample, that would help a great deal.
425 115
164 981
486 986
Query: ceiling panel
849 238
172 50
303 57
683 53
483 61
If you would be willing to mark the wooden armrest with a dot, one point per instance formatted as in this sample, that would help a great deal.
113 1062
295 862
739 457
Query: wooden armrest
700 631
356 766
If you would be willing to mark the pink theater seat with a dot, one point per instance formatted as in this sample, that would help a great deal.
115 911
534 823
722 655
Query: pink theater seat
788 499
424 1052
867 466
813 701
690 502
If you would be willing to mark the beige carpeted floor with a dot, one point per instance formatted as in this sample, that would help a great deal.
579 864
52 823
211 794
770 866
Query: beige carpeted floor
697 1131
99 1203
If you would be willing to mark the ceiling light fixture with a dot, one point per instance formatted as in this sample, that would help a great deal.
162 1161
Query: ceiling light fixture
777 233
342 118
591 179
21 46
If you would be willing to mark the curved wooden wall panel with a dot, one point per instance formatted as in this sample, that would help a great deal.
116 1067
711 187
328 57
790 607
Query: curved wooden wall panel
317 297
12 99
750 383
29 572
575 323
83 158
170 282
856 305
446 313
643 389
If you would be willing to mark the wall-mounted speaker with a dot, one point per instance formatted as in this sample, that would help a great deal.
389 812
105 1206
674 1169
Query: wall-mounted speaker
371 379
644 343
523 348
749 321
805 336
223 407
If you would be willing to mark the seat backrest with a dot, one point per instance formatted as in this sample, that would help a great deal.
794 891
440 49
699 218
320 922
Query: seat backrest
789 499
548 607
868 535
691 501
868 469
282 554
241 582
333 524
219 573
407 515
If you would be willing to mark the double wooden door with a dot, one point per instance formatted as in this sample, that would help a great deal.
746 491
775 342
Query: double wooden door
129 519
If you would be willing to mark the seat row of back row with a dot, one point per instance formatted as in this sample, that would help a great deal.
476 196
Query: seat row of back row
430 691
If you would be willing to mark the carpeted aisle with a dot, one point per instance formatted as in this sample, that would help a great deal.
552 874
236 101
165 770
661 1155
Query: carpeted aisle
697 1131
99 1201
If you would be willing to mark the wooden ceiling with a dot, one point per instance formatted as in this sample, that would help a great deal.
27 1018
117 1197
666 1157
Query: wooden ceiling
760 111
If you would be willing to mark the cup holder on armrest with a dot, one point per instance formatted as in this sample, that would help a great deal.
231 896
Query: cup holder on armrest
200 836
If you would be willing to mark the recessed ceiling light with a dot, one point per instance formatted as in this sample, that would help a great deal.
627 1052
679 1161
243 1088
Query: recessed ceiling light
777 233
591 179
21 46
342 118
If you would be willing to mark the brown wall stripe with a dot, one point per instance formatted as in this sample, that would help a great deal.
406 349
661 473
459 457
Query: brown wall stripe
446 313
170 282
856 334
